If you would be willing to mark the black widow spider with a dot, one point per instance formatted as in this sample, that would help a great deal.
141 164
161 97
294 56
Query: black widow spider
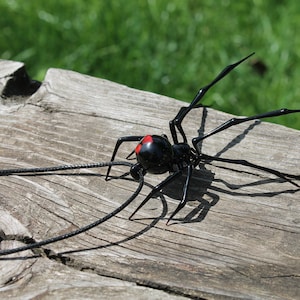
156 155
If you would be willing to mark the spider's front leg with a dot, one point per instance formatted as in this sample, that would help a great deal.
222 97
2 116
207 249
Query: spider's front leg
132 138
176 122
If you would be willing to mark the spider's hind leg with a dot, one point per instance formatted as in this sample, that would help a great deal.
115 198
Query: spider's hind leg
164 183
239 120
183 200
156 189
287 177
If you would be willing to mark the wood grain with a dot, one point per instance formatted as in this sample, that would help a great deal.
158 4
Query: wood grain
238 237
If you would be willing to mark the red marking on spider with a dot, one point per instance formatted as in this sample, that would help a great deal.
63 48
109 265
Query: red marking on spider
145 140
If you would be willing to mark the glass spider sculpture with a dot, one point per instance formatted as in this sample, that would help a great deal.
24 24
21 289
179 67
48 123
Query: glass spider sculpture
157 155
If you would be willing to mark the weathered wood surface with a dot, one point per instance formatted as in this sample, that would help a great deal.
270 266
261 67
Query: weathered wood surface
240 238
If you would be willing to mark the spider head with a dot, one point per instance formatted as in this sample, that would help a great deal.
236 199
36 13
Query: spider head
154 154
135 171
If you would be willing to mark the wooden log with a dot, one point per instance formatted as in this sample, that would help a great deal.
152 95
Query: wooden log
237 238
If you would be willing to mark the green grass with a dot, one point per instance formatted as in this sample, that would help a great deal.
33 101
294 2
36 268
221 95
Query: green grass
168 47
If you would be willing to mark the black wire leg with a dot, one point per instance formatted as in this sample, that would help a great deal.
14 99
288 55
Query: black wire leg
254 166
183 201
176 122
84 228
236 121
164 183
156 189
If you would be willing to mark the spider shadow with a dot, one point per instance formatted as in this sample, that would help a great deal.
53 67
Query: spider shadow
205 190
234 142
202 179
198 194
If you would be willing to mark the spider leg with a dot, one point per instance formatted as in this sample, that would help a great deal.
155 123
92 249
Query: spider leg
156 189
176 122
183 201
133 138
164 183
236 121
249 164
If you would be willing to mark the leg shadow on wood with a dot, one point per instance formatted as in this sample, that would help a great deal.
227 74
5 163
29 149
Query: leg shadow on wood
202 183
206 190
198 192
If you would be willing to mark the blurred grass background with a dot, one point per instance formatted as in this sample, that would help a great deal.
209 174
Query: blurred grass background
167 47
